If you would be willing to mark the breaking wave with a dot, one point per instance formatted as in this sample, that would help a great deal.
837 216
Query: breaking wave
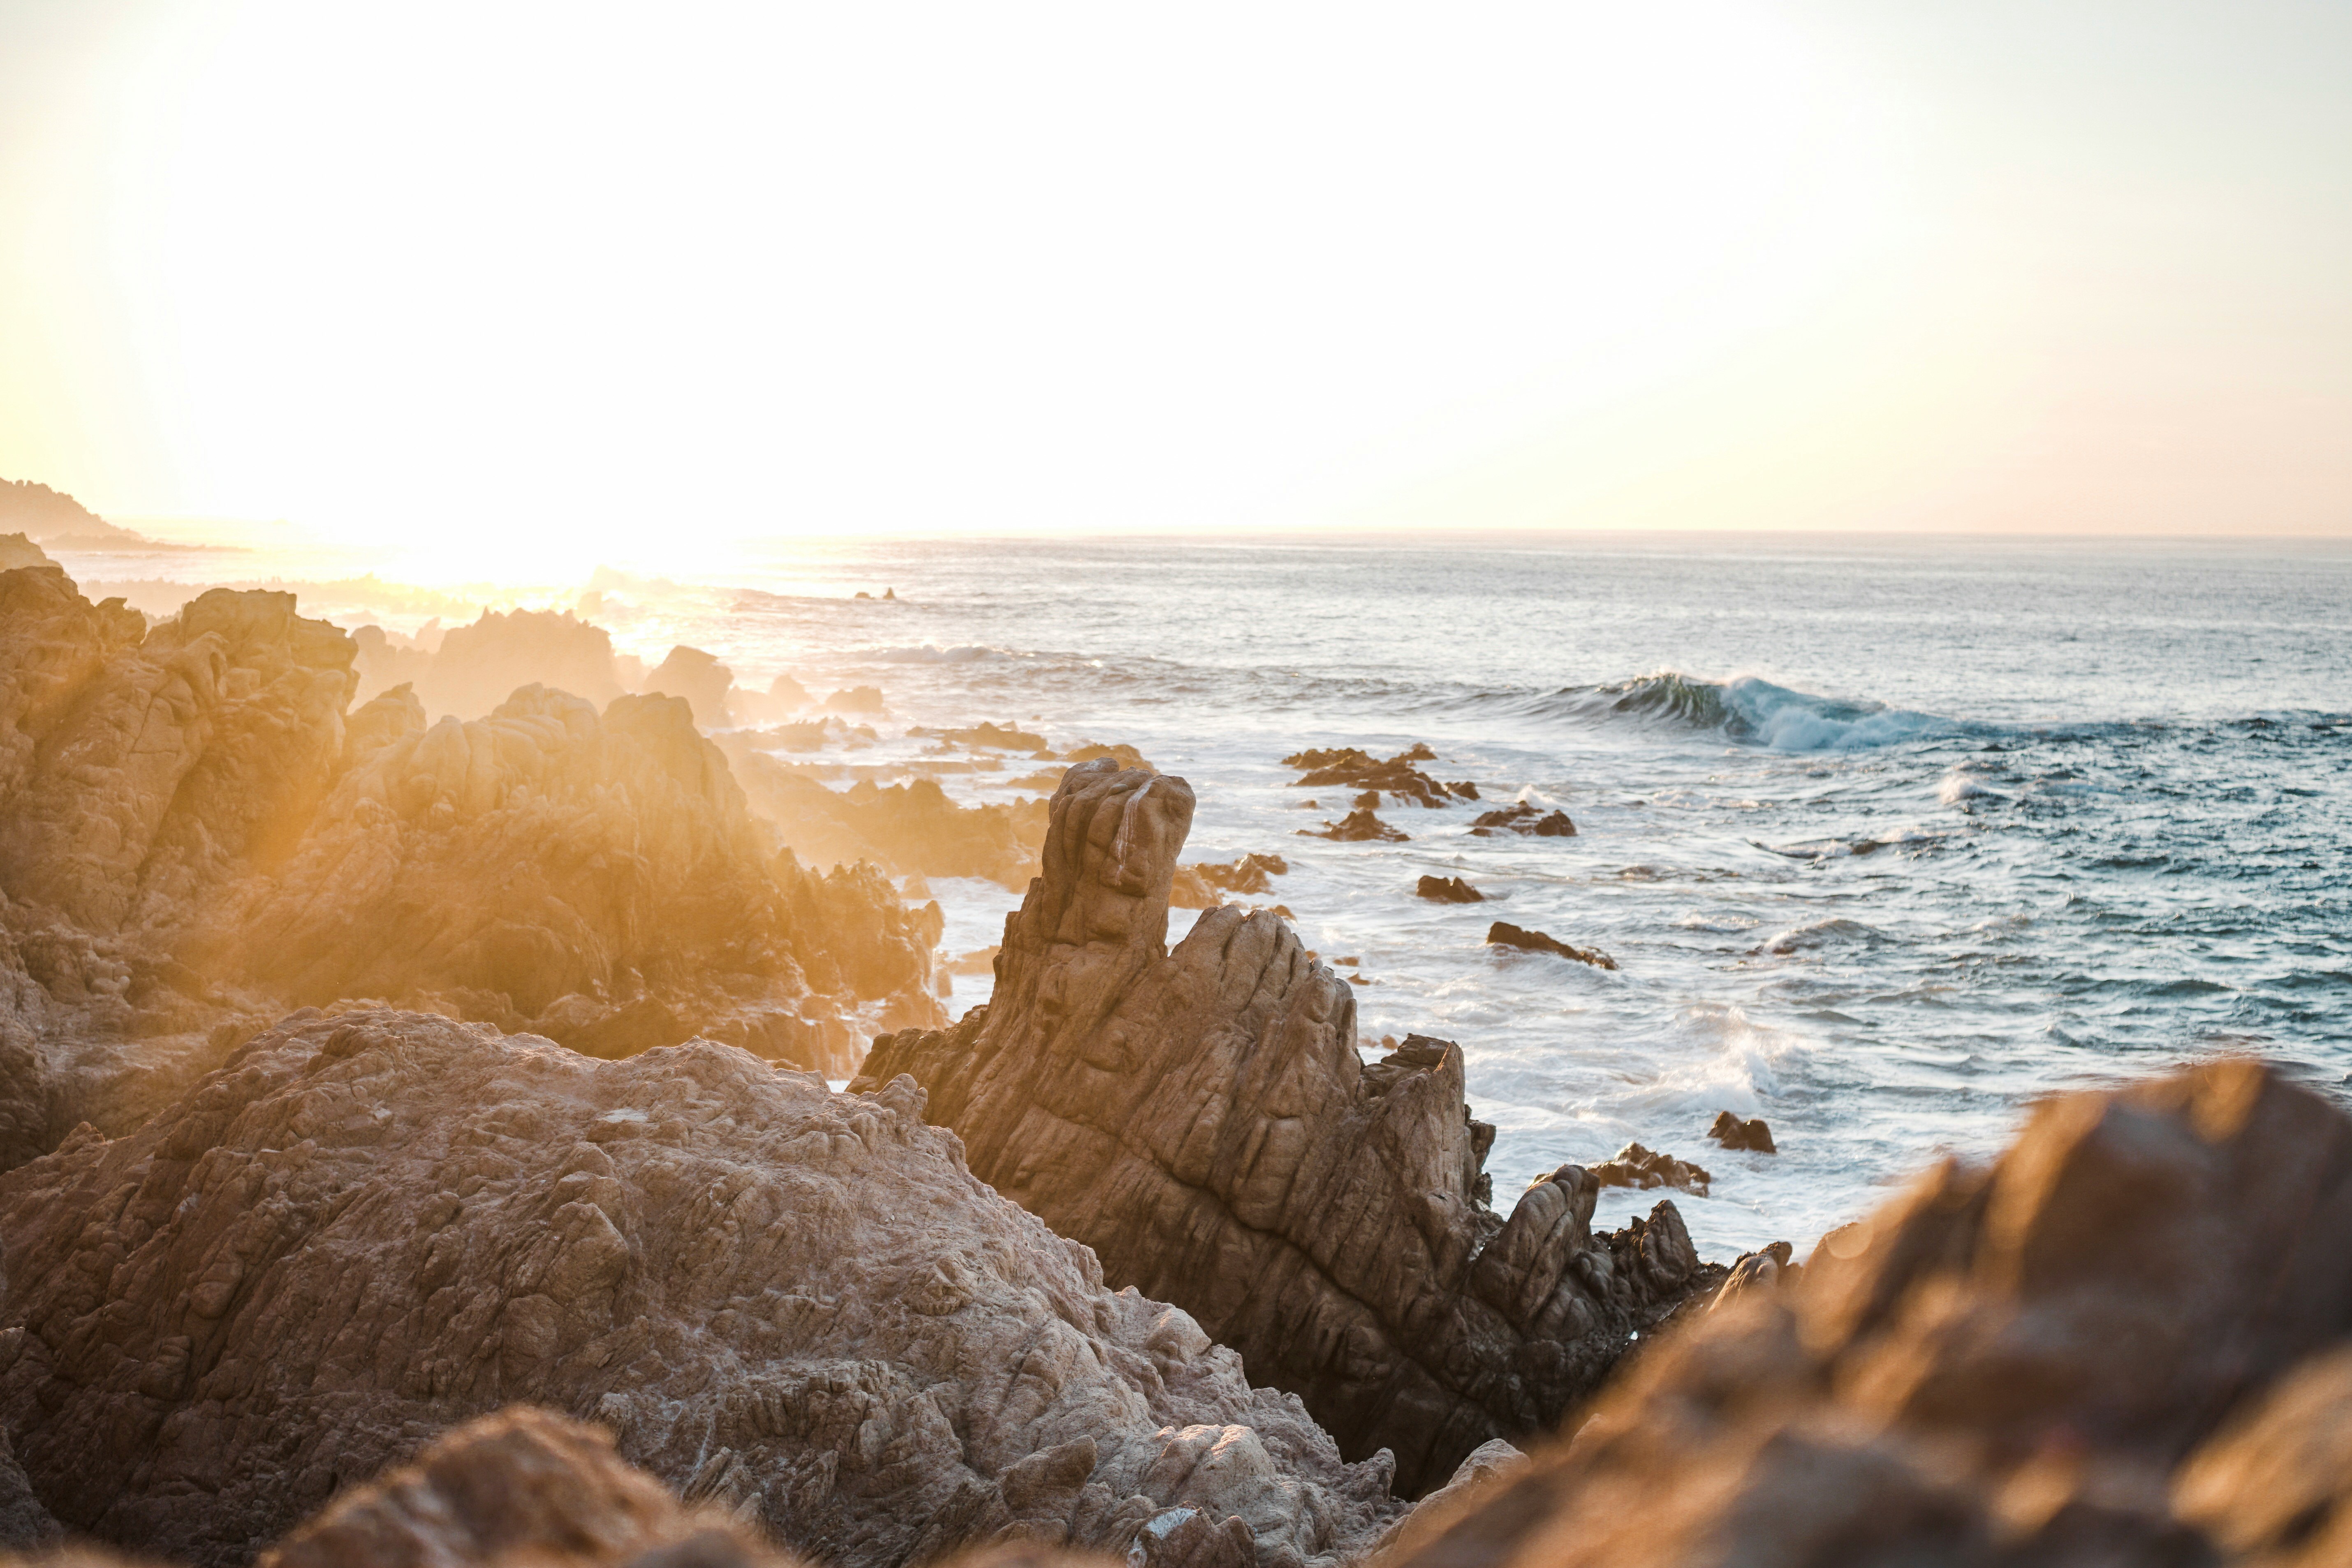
1752 712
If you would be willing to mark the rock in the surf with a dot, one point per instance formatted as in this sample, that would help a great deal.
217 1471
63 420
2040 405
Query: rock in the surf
1503 933
2123 1342
1521 817
1359 826
1448 890
1639 1167
1201 1118
1349 767
1733 1132
795 1305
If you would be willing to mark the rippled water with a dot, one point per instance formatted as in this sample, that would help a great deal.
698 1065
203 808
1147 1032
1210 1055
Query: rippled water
1886 836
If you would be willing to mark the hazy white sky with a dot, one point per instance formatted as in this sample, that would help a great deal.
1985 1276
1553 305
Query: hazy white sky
498 274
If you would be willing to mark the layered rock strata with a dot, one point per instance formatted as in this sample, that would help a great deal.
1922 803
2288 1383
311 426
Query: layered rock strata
2125 1342
793 1306
1201 1118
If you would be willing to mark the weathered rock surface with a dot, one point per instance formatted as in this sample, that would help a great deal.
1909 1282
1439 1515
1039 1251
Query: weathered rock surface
1348 767
793 1306
698 678
15 550
1733 1132
1447 890
1249 875
1503 933
2123 1342
1202 1119
196 835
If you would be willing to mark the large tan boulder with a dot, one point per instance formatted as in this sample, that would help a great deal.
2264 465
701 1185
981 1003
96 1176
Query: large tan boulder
1202 1119
2125 1342
796 1306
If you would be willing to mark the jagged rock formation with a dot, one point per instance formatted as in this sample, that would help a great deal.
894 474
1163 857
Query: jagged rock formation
477 667
910 829
15 550
1201 1118
795 1306
2123 1342
1522 818
1447 890
195 835
1644 1168
1732 1132
1352 768
699 678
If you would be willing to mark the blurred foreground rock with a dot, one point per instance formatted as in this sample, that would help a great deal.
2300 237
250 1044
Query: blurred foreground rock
793 1306
1202 1120
2123 1342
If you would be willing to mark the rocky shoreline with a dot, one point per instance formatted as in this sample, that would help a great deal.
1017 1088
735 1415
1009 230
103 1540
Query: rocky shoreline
415 1147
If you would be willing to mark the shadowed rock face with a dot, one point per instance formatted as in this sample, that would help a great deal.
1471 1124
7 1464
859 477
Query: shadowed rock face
195 835
2123 1342
1202 1120
796 1306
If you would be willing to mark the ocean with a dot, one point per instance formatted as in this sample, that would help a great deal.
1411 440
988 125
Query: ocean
1887 837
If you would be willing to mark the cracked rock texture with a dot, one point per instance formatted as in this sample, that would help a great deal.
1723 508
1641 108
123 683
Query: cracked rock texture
794 1306
1201 1118
196 832
2123 1342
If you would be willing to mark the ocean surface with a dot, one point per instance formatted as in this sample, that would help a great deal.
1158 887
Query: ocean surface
1887 837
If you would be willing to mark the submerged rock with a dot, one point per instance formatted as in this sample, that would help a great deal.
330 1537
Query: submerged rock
795 1306
1503 933
1448 890
2121 1342
1201 1118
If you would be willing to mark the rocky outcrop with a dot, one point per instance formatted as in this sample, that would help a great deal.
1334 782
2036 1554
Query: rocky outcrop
909 829
1644 1168
196 833
1201 1118
699 679
1503 933
793 1306
478 666
1250 874
1348 767
1447 890
2123 1342
15 550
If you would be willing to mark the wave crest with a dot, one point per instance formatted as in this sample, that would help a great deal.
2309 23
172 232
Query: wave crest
1753 712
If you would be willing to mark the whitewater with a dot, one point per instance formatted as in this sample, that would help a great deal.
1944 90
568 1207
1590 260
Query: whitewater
1887 837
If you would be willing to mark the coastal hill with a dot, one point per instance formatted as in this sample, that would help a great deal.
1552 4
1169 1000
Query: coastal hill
54 518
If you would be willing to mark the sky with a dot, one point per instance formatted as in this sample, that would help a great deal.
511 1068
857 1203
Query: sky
496 276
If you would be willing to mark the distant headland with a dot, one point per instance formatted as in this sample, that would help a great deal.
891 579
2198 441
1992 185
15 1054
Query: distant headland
55 520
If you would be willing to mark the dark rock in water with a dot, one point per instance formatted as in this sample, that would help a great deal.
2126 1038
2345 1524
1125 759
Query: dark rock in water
1201 1118
857 700
793 1306
1733 1133
2121 1342
1634 1166
1521 817
996 737
1247 875
1448 890
1359 826
1502 933
1350 768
